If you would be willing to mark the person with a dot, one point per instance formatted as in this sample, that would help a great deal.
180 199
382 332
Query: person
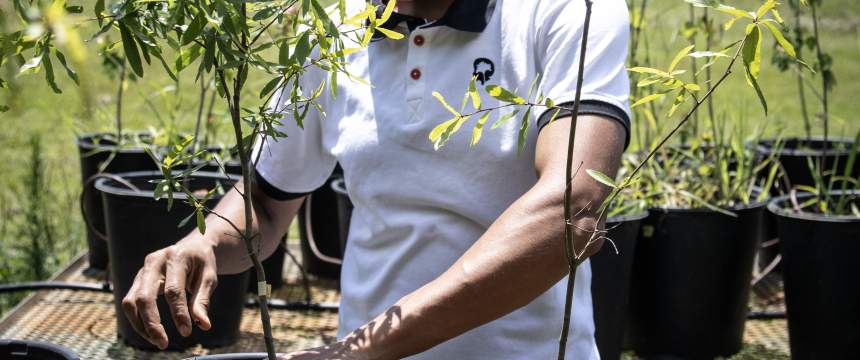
452 254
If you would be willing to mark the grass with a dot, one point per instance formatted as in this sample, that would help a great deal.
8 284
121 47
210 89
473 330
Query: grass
159 103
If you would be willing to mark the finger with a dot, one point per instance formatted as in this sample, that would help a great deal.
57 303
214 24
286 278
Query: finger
149 286
206 284
174 292
130 308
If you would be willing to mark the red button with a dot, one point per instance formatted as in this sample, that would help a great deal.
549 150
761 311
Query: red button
418 40
415 74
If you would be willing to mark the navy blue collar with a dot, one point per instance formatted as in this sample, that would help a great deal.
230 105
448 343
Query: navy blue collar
463 15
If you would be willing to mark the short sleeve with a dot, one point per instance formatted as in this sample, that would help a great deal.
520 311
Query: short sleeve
606 85
298 164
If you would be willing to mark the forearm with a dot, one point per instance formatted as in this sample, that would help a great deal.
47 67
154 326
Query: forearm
226 224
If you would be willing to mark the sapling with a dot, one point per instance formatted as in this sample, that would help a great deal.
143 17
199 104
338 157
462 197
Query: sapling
229 40
747 48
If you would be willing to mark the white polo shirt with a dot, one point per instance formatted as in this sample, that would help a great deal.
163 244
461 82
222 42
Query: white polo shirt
418 210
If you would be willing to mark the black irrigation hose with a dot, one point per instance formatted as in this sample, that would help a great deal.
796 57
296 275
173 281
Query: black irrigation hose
54 285
106 288
766 315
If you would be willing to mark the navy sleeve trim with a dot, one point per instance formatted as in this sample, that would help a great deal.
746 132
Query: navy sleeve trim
589 107
272 191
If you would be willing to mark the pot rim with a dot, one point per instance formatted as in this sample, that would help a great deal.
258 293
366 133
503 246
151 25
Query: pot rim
244 355
641 215
704 210
776 208
54 348
85 141
765 146
103 185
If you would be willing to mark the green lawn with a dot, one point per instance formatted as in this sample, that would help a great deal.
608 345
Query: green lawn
154 102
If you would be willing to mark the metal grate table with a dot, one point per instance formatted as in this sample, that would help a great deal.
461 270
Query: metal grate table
85 321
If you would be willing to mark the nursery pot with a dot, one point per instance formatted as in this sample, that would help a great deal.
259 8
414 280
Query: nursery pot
794 153
231 166
34 350
344 211
95 150
610 283
691 281
320 231
237 356
820 272
137 225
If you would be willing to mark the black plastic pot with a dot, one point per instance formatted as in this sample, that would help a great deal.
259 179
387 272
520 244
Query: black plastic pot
238 356
137 225
231 166
94 150
691 282
794 153
344 210
320 231
34 350
820 274
610 283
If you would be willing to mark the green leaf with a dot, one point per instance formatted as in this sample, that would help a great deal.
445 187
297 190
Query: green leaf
194 29
680 56
130 48
69 71
391 34
752 51
386 13
187 56
284 53
764 8
648 99
705 54
601 178
441 99
473 93
99 10
505 118
754 83
785 44
270 86
524 131
201 221
49 72
303 48
479 128
502 94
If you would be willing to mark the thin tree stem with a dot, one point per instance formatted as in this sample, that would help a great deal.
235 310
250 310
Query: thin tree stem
119 95
801 93
823 192
569 250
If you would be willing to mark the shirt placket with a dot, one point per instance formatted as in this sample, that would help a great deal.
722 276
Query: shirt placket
416 71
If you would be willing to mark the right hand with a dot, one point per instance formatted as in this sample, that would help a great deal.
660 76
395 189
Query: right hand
189 265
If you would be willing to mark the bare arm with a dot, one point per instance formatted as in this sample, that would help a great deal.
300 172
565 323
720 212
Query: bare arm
519 257
192 264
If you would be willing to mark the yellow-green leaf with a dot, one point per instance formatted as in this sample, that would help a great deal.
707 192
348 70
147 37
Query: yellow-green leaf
479 128
764 8
648 99
503 94
473 93
680 56
441 99
601 178
786 45
390 33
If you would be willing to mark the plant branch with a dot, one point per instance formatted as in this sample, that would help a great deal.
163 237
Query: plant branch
569 249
